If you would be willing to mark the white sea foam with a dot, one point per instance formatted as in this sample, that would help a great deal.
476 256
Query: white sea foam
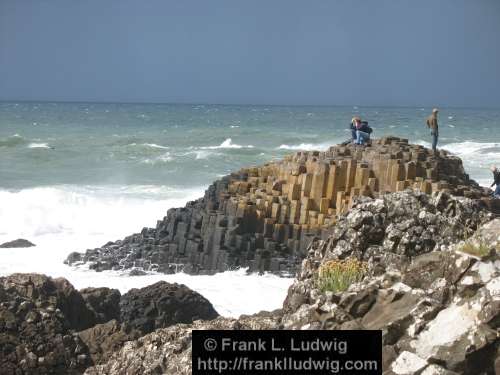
307 146
62 219
154 145
150 145
38 145
228 143
83 210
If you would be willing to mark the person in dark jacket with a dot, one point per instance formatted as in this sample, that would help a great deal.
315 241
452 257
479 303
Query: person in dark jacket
496 181
360 131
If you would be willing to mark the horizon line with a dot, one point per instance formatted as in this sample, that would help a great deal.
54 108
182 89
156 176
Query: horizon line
13 101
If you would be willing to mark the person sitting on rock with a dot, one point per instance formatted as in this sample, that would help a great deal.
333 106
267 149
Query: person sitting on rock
496 181
360 131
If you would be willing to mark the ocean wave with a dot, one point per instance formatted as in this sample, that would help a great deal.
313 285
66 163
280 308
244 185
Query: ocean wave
199 154
150 145
86 210
228 143
477 157
468 147
204 154
306 147
164 158
39 145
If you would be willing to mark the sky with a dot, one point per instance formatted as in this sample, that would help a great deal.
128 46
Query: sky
314 52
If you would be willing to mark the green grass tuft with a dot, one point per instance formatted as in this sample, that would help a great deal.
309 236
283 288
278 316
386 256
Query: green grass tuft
480 249
337 275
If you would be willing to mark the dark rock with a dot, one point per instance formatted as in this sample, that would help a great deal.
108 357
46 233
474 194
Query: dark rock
73 258
38 316
163 304
104 339
104 302
46 326
17 243
137 272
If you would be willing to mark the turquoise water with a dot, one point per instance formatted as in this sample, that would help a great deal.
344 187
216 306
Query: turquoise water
46 144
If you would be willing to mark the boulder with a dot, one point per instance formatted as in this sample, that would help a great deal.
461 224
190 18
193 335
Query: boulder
17 243
161 305
104 339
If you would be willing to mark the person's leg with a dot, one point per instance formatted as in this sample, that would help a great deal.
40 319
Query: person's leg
354 136
434 140
497 192
362 137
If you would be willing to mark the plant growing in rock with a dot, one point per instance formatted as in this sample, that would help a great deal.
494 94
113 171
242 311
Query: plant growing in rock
338 275
479 249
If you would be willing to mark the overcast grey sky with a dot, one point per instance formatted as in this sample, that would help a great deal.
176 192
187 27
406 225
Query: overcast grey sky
356 52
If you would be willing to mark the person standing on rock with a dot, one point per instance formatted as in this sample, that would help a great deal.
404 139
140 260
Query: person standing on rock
496 181
432 123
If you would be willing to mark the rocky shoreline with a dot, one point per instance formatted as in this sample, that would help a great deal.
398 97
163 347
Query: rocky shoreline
265 217
436 301
47 326
426 248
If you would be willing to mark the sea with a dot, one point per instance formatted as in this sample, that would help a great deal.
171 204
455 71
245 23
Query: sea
74 176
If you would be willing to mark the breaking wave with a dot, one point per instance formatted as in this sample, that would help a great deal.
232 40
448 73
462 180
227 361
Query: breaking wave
228 143
39 145
62 219
307 146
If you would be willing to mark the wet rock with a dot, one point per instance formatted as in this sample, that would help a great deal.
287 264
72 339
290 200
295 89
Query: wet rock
137 272
19 243
73 258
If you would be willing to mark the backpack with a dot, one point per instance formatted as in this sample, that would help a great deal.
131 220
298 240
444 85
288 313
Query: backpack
366 128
